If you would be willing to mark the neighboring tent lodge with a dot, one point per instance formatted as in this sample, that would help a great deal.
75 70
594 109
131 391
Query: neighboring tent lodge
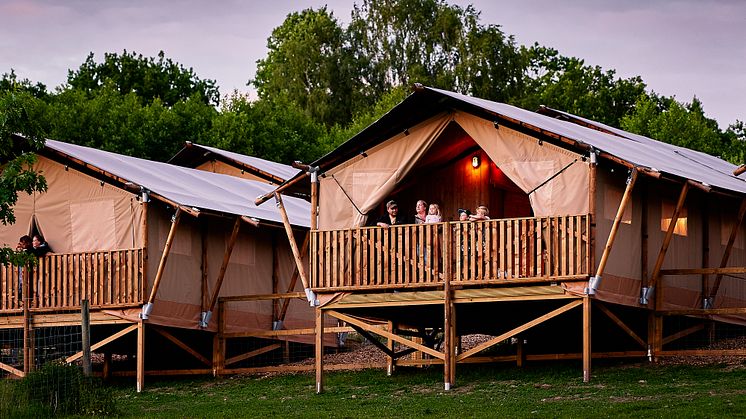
586 220
154 248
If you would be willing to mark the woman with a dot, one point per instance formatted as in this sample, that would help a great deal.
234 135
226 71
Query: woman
40 247
420 212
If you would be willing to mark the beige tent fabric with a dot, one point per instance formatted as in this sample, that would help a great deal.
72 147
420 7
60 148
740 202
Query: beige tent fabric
77 213
369 180
529 164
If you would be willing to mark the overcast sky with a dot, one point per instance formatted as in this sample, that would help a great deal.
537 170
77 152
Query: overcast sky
681 48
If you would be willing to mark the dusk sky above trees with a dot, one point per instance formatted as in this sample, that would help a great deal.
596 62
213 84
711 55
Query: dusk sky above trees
680 48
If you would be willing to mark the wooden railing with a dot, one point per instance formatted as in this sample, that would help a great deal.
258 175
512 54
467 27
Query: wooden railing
108 279
493 251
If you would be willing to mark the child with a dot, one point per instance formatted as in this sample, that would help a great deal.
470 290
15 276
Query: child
463 214
433 214
482 213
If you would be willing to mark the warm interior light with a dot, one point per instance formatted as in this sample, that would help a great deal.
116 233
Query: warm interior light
475 162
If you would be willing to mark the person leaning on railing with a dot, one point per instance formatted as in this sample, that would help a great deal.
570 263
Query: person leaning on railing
392 216
40 246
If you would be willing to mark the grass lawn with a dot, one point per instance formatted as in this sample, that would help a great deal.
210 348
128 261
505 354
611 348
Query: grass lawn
538 390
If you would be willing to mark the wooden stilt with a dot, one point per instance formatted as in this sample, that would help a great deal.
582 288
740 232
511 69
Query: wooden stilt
85 327
449 358
275 280
106 373
452 350
164 256
144 232
204 267
644 237
218 343
586 339
390 361
28 365
314 202
319 341
140 356
520 355
592 211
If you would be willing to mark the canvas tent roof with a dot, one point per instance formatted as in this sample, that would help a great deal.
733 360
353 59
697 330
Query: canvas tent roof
634 149
189 187
194 153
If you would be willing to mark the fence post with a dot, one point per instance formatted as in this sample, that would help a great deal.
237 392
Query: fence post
28 364
85 325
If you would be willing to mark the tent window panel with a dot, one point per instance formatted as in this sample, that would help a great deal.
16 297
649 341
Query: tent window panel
612 199
726 227
93 225
365 184
667 208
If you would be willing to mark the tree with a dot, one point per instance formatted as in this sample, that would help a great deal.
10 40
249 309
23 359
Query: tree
675 123
18 111
9 82
568 84
437 44
309 64
147 77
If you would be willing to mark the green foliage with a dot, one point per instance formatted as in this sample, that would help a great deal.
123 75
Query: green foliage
569 85
309 64
147 77
18 115
9 82
56 389
271 129
680 124
122 123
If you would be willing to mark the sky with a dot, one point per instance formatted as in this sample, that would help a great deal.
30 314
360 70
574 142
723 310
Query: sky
680 48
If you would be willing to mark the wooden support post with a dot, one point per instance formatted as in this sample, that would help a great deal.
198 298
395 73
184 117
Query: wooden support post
449 358
314 202
728 249
644 236
586 339
705 213
291 238
106 373
293 279
144 232
204 267
28 364
654 277
164 256
140 356
85 326
452 350
319 341
626 198
592 179
218 343
390 361
275 280
520 355
224 264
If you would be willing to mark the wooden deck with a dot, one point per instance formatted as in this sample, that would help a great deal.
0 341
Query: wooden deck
483 252
107 279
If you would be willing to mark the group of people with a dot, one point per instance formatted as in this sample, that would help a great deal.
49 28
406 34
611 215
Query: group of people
427 214
35 245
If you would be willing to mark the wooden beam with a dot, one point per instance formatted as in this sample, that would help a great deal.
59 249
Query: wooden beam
448 335
260 297
204 266
294 279
291 239
381 332
101 343
390 361
592 185
704 312
224 265
519 329
683 333
314 202
286 332
275 279
182 345
389 351
669 235
18 373
251 354
707 271
290 182
164 256
27 333
617 221
586 339
621 324
729 248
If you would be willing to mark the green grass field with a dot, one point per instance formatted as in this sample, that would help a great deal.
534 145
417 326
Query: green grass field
538 390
